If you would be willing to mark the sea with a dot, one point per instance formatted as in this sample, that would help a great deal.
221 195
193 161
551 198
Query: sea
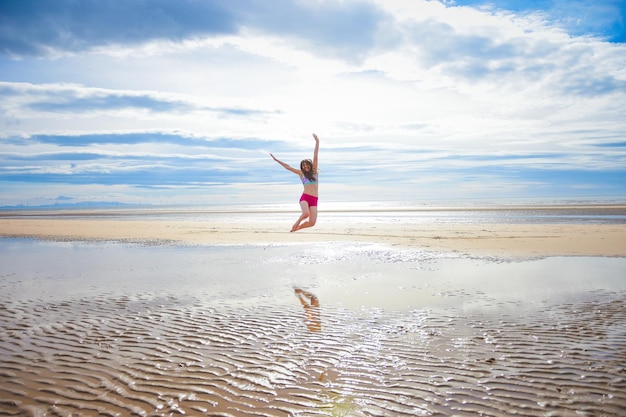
510 211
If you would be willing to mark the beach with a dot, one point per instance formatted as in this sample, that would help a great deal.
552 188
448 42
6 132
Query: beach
222 314
514 238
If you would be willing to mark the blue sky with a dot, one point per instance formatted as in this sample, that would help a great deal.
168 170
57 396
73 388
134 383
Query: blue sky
180 102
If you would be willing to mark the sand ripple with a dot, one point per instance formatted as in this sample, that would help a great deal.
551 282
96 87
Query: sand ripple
147 356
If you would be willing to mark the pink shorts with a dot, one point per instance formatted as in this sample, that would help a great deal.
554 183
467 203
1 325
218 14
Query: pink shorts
310 199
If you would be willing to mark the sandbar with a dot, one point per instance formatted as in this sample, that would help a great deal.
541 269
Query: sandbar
526 240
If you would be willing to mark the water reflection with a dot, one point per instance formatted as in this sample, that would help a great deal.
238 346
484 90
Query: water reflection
311 309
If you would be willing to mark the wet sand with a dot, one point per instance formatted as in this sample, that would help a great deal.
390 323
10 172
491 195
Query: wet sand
155 357
483 239
153 318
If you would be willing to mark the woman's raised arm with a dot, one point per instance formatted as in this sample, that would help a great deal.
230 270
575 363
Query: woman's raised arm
286 166
317 148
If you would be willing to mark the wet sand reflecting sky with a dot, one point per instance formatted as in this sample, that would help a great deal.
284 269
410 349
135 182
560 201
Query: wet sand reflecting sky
120 329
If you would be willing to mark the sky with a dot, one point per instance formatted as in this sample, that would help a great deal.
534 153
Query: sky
180 102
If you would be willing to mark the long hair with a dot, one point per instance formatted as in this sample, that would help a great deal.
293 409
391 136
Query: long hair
310 175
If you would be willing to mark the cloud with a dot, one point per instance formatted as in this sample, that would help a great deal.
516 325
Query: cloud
190 142
341 29
58 156
591 85
604 18
505 51
136 159
40 28
34 27
472 56
612 145
74 104
77 99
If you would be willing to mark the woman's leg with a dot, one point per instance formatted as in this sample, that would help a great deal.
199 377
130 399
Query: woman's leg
312 215
305 213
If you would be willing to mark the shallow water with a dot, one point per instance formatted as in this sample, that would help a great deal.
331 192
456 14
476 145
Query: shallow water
379 213
119 329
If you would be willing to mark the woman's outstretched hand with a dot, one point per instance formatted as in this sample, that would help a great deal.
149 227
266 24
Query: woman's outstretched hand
316 138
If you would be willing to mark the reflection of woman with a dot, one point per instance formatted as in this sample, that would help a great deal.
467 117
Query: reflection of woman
311 309
308 176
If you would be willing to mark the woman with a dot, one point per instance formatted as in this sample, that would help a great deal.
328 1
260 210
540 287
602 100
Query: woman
311 308
308 176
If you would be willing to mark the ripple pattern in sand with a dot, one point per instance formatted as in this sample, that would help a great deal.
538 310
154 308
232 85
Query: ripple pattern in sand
151 356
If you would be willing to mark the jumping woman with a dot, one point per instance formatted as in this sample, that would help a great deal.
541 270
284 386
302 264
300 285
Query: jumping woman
308 176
